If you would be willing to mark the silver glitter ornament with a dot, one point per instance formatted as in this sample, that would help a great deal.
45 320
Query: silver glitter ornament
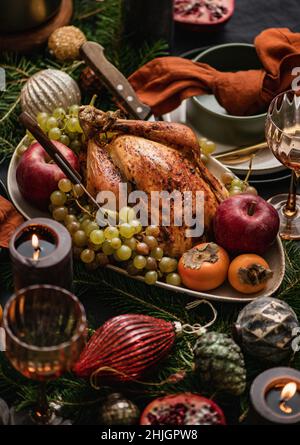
117 410
47 90
265 329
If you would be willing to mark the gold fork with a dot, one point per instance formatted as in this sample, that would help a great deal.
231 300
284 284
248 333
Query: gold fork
240 155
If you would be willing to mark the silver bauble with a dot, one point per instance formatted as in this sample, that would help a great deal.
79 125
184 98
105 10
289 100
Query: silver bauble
265 329
47 90
117 410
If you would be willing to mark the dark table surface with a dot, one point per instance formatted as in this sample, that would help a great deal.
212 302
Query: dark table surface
249 19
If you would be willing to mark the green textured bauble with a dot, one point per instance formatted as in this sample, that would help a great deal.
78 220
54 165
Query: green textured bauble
266 328
117 410
220 363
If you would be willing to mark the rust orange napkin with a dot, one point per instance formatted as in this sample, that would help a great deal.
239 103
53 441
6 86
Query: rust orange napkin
165 82
10 219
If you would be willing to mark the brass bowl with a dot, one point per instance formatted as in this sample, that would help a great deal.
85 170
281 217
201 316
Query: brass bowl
209 117
22 15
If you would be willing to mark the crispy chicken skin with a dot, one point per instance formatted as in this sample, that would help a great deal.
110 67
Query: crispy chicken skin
151 156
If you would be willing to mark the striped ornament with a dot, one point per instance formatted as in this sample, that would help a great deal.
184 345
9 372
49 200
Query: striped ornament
125 347
47 90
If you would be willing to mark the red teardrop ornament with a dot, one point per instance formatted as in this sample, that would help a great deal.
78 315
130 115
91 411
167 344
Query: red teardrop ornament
125 347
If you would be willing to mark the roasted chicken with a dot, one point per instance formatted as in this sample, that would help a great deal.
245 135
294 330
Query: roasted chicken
149 156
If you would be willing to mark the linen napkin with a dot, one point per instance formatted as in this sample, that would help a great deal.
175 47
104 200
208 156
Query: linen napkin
10 219
165 82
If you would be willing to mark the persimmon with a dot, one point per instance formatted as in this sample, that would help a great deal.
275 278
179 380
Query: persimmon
204 267
249 273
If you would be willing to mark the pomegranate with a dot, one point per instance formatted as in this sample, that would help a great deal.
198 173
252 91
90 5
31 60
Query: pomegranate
205 13
182 409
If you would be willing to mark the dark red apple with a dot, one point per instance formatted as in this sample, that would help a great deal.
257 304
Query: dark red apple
245 224
37 175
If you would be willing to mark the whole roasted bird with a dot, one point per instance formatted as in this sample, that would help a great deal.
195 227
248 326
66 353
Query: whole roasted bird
149 156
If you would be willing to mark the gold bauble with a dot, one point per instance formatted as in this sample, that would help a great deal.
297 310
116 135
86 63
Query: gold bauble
47 90
64 43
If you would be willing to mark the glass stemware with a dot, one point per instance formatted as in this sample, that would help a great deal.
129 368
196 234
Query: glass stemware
283 138
45 330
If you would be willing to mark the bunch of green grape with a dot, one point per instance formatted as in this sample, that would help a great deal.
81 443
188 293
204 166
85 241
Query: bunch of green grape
236 186
207 148
63 126
128 244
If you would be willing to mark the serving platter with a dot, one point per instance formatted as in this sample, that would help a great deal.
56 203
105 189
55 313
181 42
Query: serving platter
275 255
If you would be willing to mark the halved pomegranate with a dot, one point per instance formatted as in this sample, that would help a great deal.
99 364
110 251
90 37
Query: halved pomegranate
205 13
182 409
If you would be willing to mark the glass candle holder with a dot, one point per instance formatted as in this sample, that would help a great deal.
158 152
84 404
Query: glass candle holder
45 330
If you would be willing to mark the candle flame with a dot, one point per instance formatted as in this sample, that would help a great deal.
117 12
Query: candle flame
36 246
287 393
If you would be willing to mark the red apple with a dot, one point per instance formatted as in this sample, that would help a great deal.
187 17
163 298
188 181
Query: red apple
37 175
245 223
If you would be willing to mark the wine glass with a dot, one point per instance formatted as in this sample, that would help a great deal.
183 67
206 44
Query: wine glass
45 330
283 138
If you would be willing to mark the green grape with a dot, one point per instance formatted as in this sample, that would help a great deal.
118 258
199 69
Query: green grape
227 178
75 145
64 139
84 223
97 236
74 110
58 198
59 113
131 242
69 219
111 232
72 124
124 253
151 241
236 182
95 247
126 230
73 227
78 191
174 279
51 123
80 238
73 210
208 147
139 262
116 243
126 215
60 213
235 191
87 256
107 248
157 253
153 231
71 135
151 277
167 265
151 263
142 249
251 190
102 259
41 117
61 124
136 225
54 133
65 185
90 227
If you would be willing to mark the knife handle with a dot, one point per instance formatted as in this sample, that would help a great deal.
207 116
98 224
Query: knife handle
114 81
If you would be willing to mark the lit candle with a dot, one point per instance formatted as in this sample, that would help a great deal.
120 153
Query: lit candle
41 253
275 397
